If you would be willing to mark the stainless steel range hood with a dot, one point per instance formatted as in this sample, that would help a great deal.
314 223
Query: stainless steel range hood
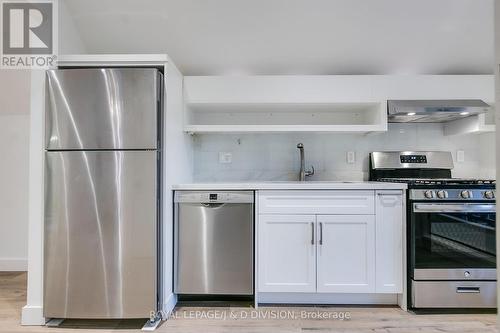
433 111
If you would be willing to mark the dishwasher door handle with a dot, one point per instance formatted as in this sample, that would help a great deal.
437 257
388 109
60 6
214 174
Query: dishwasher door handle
212 205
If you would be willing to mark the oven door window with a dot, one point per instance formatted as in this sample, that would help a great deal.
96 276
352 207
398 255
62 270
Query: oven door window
453 239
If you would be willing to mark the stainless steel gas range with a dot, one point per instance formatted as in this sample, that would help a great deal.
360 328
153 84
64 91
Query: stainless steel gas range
450 230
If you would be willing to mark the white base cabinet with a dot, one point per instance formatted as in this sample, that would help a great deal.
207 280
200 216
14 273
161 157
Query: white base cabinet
389 250
346 253
334 250
287 253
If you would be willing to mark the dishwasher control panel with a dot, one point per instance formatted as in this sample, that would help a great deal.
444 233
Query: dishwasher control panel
214 197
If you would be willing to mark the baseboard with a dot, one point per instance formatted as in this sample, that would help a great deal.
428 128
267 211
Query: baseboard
327 298
32 316
13 264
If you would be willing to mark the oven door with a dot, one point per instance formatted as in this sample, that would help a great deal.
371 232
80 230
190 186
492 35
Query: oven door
452 241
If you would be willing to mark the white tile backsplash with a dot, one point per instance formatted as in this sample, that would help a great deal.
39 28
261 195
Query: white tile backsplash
275 156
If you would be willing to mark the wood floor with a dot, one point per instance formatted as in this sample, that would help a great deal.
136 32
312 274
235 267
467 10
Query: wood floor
363 319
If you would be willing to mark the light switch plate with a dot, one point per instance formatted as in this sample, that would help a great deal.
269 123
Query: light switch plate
225 157
351 157
460 156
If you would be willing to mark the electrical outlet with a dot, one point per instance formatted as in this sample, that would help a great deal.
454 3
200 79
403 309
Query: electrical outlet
351 157
225 157
460 156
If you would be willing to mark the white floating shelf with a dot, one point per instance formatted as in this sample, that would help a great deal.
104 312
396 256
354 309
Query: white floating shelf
282 128
286 117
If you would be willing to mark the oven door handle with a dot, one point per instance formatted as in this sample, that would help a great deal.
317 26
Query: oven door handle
453 208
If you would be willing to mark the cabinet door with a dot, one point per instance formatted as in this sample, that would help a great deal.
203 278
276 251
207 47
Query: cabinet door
287 253
346 253
389 235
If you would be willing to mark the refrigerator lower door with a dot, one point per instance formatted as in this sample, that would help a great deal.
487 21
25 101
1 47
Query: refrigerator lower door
100 234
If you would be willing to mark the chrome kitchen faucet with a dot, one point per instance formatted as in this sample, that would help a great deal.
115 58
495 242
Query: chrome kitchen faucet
303 173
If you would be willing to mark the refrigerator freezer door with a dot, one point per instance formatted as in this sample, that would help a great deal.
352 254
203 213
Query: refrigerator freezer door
100 234
101 108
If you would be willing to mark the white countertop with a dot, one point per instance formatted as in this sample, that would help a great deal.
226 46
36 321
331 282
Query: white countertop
291 185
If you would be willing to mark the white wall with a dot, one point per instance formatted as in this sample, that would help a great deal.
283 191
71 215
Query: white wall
14 149
275 156
70 41
487 155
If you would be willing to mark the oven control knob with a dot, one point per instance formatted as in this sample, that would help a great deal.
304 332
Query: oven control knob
467 274
429 194
489 195
466 194
442 194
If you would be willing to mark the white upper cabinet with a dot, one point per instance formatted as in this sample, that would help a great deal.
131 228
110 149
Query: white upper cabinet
286 253
346 253
389 245
321 103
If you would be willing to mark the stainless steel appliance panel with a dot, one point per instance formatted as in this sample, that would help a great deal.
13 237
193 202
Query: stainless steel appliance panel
454 194
105 108
100 234
392 160
433 111
454 207
214 247
440 274
454 294
214 197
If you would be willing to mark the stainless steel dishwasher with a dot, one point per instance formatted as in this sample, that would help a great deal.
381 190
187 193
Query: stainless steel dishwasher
213 243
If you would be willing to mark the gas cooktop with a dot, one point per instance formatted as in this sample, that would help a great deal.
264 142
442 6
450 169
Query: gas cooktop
447 188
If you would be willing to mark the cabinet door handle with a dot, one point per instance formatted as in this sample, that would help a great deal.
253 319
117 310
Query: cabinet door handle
321 233
312 233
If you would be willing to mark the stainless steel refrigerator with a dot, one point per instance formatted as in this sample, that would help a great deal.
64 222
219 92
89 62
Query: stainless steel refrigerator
102 192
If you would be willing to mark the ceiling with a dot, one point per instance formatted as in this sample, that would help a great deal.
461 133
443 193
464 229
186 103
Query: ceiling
249 37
